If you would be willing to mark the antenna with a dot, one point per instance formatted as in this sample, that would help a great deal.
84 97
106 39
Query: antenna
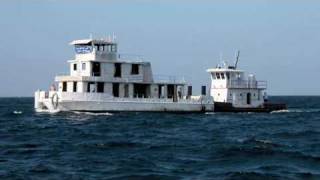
109 38
113 37
237 59
221 56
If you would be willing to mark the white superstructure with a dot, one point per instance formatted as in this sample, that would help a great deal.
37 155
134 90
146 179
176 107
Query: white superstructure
100 80
233 86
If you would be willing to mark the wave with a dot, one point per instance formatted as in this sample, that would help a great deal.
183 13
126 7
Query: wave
93 113
296 134
17 112
309 110
251 175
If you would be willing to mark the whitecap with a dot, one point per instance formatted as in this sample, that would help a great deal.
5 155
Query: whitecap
281 111
94 114
17 112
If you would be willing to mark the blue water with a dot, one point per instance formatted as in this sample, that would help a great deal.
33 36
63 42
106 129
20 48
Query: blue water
281 145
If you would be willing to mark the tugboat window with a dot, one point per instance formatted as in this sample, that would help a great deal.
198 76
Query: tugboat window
74 67
228 75
214 76
222 75
218 75
83 66
135 69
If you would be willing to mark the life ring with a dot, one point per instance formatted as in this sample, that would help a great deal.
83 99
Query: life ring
55 100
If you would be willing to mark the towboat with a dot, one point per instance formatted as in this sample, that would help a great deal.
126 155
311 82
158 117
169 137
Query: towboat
234 91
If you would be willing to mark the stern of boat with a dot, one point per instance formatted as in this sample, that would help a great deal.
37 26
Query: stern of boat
46 101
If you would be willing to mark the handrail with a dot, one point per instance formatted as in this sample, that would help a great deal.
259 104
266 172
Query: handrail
251 84
169 79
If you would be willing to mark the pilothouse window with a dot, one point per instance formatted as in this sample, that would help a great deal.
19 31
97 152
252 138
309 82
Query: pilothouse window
228 75
218 75
222 75
214 76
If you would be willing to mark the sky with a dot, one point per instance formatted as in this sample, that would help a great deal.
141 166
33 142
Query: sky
279 40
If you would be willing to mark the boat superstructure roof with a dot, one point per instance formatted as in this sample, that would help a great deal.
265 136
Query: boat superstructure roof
94 41
224 70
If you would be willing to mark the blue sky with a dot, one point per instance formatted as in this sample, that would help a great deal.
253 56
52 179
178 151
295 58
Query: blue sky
279 40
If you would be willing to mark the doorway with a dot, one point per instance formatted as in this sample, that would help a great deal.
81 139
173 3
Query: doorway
248 98
170 91
115 89
117 70
96 69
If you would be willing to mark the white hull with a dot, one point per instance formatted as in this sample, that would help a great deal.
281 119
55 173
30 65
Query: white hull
132 106
100 103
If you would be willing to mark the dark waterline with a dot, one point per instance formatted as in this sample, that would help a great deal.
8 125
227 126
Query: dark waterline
280 145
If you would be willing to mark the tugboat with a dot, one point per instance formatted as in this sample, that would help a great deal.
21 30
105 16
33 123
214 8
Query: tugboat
233 91
100 80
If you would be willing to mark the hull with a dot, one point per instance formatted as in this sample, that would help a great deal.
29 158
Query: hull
267 107
93 102
133 107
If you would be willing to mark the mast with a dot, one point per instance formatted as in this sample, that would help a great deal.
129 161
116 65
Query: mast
237 59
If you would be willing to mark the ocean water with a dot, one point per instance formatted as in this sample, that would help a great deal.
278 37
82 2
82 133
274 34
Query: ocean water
278 145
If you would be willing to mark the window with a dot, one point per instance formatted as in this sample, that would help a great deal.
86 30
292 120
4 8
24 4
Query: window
64 86
126 90
114 48
91 87
214 76
83 66
96 69
222 75
135 69
74 86
115 89
117 70
218 75
228 75
74 67
100 87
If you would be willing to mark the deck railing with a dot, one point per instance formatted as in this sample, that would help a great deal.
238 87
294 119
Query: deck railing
71 96
247 84
169 79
